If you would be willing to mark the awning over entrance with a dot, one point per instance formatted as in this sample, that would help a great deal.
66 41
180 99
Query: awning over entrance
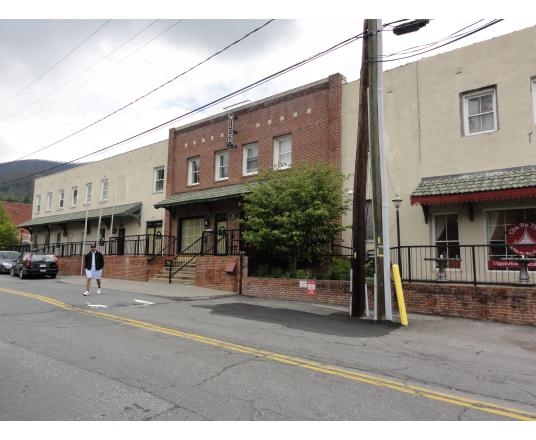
504 184
131 209
205 195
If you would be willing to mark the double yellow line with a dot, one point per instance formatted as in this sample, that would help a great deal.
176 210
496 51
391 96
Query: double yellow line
331 370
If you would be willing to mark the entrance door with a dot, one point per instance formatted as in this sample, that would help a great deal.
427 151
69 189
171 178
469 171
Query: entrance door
221 235
191 231
121 241
154 237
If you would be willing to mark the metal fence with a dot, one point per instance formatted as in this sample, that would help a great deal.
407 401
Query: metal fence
470 264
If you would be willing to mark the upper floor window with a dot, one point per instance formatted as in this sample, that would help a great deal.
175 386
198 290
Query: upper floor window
479 112
49 201
533 88
222 165
89 190
104 190
193 170
38 203
74 200
158 179
61 198
250 160
283 152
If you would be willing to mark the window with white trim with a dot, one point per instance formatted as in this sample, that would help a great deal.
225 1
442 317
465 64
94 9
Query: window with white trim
38 203
193 170
49 201
89 190
74 199
447 237
533 88
479 112
104 190
283 152
158 179
222 165
250 159
61 198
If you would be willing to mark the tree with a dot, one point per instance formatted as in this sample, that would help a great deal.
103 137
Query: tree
8 231
295 214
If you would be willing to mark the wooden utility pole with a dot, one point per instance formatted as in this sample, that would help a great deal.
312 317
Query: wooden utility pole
360 184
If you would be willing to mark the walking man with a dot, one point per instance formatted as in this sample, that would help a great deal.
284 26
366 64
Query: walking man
93 262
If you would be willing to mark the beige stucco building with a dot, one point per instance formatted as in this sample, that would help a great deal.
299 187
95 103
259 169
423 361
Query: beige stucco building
460 143
116 195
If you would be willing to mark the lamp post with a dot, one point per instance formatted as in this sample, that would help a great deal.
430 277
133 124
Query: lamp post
397 202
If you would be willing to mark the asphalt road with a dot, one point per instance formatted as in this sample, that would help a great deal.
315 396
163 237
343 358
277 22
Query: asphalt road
114 357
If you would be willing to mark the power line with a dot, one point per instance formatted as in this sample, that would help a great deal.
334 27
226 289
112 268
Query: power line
205 106
82 72
54 65
150 92
106 70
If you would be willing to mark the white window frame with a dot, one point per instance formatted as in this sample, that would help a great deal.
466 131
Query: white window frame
278 143
38 203
88 193
447 242
159 180
61 198
49 201
533 89
74 196
104 190
191 161
221 165
254 146
479 94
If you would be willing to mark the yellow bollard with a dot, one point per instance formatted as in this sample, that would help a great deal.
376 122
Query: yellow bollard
400 295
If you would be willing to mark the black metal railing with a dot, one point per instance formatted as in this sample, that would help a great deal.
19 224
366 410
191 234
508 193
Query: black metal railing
147 244
470 264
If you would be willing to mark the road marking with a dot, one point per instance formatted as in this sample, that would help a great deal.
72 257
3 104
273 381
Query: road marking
319 367
141 301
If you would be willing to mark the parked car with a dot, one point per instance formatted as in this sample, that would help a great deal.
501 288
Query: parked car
7 259
35 264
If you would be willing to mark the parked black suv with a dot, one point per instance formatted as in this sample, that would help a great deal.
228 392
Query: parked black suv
30 264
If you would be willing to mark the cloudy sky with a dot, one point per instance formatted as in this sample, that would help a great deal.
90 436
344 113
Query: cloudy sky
68 85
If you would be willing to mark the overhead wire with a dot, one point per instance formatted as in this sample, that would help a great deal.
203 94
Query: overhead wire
152 91
205 106
82 72
55 64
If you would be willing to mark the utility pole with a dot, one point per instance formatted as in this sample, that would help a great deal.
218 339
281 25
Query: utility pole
360 182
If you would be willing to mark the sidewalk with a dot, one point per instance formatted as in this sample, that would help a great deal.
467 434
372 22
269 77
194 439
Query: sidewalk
174 291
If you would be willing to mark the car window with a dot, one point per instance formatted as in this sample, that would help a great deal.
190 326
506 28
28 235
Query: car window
9 255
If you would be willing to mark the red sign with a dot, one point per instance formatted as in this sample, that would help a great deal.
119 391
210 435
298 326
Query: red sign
521 238
311 287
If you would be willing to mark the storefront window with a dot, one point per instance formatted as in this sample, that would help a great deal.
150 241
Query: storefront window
447 238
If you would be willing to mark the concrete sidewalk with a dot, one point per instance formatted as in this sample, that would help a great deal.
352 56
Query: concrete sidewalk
174 291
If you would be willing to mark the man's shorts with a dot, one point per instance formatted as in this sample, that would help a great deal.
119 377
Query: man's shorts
95 274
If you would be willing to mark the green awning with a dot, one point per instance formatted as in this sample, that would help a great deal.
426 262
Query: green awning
205 195
130 209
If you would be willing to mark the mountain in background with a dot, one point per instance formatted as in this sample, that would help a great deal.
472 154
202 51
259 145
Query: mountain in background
15 186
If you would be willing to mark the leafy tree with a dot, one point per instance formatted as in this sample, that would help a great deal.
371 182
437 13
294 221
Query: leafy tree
295 214
8 231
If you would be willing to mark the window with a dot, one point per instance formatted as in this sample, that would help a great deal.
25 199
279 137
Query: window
38 203
479 112
61 198
158 177
74 200
533 88
89 190
509 226
49 201
104 190
58 237
283 152
250 159
447 239
222 165
193 170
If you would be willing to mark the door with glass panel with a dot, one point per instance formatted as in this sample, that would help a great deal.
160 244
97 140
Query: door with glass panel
191 231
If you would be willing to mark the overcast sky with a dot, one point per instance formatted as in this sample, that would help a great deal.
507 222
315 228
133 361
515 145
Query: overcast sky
59 76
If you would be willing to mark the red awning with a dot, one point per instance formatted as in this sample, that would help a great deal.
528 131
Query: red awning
481 196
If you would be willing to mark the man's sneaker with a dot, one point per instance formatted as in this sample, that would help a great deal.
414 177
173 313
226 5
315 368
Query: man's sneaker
99 290
86 293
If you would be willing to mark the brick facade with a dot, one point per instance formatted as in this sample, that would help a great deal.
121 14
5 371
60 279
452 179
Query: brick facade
221 273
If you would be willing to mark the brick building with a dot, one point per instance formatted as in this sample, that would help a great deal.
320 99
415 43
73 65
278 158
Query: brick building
210 162
19 213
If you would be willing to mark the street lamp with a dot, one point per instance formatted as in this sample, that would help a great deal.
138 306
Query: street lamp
397 202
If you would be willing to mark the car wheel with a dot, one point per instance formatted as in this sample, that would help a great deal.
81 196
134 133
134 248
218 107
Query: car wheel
53 275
